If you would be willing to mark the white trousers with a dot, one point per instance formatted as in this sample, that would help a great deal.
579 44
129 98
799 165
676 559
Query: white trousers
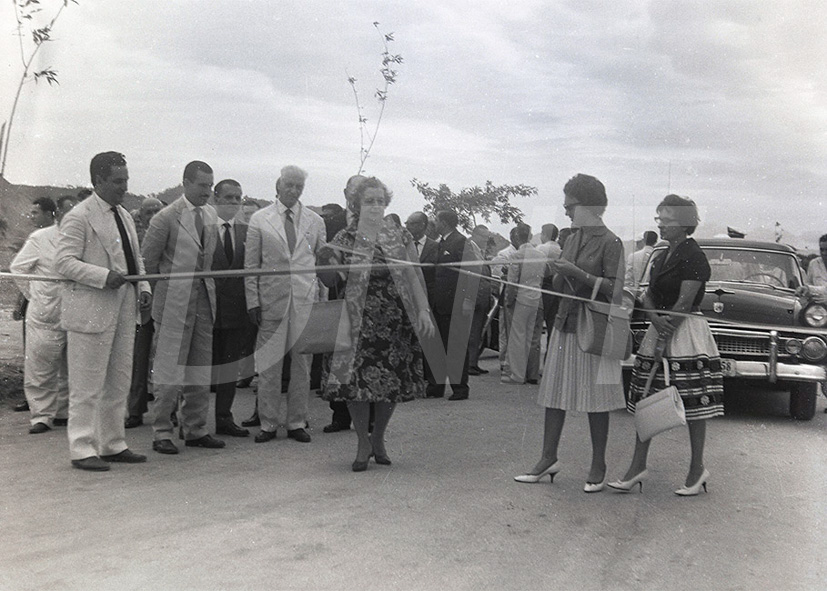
100 372
45 375
524 341
277 408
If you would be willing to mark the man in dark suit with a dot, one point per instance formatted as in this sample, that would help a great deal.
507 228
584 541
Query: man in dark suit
453 296
231 323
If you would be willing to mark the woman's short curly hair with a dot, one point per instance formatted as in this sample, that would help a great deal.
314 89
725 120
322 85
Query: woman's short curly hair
355 204
587 190
685 211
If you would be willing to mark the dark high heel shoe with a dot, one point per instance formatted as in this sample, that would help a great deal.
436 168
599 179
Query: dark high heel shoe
359 465
383 460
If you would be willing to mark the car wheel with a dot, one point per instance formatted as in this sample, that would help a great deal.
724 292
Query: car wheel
803 400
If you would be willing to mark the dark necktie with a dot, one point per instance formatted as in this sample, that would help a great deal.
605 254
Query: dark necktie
131 267
418 247
290 230
199 225
228 242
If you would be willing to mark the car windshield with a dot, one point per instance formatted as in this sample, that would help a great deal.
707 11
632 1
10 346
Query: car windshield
753 266
777 269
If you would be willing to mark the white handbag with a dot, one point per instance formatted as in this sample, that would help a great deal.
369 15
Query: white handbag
661 411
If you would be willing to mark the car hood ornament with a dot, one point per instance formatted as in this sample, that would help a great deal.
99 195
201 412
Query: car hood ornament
718 307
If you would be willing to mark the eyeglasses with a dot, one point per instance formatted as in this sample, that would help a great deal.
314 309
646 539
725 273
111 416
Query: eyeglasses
661 221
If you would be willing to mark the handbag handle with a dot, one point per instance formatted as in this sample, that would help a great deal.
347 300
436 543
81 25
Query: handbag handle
658 359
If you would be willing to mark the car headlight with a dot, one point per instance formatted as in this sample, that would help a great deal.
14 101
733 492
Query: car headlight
793 346
815 315
813 349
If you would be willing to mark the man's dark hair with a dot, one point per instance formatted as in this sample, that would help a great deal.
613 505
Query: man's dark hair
64 198
823 238
46 204
220 184
650 238
332 208
522 233
84 193
103 163
551 231
448 217
192 169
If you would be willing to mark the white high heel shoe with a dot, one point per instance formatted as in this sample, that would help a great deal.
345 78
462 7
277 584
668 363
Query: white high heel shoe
595 487
691 491
533 478
627 485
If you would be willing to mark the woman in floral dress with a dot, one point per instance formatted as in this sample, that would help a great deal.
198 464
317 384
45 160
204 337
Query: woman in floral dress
388 309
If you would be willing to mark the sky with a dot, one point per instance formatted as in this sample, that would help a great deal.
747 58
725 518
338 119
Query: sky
723 101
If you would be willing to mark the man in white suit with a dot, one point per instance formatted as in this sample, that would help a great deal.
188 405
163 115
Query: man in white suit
181 239
285 235
97 247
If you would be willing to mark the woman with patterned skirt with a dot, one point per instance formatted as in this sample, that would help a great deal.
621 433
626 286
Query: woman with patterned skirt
388 311
677 280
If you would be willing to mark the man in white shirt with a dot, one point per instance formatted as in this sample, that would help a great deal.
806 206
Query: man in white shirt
499 269
45 375
527 268
636 262
551 249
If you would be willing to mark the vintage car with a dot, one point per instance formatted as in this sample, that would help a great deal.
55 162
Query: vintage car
763 331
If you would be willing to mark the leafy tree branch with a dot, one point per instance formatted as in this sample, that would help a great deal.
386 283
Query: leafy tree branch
24 12
475 204
389 73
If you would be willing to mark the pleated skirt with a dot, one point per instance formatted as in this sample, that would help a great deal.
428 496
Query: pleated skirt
695 369
574 380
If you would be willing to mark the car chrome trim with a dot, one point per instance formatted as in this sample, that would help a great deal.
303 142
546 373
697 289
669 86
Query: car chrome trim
773 356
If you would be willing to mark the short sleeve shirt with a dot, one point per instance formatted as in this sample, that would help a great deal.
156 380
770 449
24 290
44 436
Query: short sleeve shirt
687 263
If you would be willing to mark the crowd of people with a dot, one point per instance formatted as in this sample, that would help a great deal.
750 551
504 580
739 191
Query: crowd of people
157 308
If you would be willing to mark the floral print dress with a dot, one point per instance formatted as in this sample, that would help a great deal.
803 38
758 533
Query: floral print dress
385 362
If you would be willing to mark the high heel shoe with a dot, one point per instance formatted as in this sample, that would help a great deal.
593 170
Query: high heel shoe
360 466
382 460
533 478
627 485
595 487
691 491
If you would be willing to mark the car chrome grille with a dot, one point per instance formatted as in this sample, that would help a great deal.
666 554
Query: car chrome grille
745 346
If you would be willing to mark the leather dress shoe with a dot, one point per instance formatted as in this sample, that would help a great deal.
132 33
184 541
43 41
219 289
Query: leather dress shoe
207 441
132 422
92 463
299 435
38 428
244 382
458 397
335 428
127 456
228 427
21 406
60 422
477 371
164 446
532 382
434 395
265 436
253 421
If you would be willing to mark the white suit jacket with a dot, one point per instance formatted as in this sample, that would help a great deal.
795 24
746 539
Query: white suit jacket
266 248
88 248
